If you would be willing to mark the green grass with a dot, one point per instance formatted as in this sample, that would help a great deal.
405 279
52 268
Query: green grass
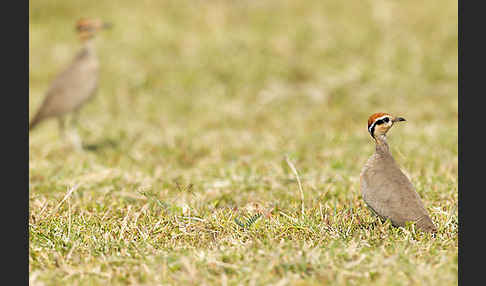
184 178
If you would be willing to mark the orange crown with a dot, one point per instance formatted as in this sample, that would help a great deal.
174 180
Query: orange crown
374 116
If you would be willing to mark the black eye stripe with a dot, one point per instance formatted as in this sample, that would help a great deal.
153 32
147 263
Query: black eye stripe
84 28
381 121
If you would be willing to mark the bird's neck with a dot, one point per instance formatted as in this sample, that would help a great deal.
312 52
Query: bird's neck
381 145
89 45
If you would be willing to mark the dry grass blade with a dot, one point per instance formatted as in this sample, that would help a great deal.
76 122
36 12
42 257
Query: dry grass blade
68 194
294 170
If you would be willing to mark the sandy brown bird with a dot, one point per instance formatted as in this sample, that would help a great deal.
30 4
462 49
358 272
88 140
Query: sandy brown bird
385 189
77 83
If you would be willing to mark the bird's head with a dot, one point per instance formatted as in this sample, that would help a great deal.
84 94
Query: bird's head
87 28
379 123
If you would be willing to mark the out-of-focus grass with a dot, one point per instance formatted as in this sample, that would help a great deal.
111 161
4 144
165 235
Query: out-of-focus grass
200 101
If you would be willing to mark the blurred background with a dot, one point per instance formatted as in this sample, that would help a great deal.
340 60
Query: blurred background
253 67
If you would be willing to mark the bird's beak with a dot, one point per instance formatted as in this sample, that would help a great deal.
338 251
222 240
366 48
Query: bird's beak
397 119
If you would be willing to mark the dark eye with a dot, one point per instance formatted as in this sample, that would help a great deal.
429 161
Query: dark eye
386 119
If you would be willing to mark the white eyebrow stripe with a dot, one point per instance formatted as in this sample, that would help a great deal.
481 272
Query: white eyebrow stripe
374 122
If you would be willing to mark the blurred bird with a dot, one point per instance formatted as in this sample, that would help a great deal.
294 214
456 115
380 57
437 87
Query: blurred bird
385 189
77 83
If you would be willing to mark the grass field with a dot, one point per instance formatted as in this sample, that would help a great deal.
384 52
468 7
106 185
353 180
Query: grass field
183 179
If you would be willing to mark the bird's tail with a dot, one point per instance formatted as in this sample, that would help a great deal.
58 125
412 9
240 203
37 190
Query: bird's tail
426 224
34 122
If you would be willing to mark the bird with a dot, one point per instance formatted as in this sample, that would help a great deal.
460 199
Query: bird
77 83
386 190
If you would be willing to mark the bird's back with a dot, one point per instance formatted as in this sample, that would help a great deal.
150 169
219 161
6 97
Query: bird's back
390 193
72 87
